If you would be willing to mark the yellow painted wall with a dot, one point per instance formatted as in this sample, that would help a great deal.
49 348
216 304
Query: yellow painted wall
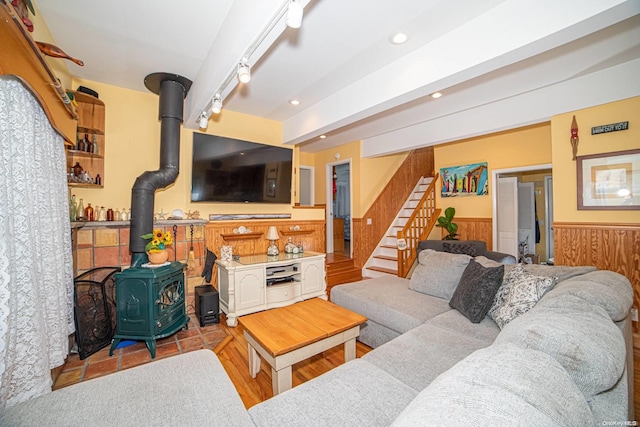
132 146
526 146
41 33
368 176
564 168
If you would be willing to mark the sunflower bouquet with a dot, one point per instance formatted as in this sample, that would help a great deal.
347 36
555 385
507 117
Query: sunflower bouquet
159 241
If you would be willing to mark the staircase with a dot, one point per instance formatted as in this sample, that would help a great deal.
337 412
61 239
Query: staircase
384 259
341 269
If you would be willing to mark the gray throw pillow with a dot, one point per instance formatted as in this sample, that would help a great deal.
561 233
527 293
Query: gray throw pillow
477 288
438 273
460 248
519 292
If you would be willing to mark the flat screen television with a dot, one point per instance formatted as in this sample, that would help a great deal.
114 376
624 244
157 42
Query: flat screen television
231 170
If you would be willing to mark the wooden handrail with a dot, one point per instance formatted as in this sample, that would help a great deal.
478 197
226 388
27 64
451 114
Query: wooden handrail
417 228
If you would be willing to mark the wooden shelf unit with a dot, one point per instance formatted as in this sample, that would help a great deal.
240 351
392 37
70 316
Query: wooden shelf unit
243 236
91 125
295 232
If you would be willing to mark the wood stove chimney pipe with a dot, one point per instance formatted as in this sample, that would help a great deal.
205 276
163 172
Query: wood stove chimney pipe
172 90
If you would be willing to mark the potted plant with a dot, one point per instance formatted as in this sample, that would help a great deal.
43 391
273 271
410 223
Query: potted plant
446 222
156 248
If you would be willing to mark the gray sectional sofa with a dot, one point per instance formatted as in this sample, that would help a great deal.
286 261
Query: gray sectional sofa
563 360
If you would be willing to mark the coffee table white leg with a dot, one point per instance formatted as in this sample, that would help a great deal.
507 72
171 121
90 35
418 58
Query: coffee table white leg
349 349
254 361
281 380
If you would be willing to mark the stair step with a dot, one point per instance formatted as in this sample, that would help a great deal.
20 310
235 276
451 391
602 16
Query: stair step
383 270
345 275
344 263
388 258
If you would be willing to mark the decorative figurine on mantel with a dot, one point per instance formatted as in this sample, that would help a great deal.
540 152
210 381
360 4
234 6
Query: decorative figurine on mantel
272 235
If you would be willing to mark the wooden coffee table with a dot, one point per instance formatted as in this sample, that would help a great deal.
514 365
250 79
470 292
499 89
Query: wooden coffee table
287 335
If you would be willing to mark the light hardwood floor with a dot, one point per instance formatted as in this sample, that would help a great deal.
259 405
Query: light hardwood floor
234 358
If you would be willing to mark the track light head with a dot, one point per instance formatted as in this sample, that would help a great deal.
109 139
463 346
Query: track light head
244 71
216 105
204 120
294 14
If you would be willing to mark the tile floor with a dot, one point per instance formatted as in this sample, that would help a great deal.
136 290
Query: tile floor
100 363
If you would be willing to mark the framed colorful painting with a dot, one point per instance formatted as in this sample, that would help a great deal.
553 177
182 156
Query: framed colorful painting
466 180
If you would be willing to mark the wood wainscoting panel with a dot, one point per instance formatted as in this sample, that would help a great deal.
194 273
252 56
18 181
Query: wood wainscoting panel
386 206
614 247
311 235
474 229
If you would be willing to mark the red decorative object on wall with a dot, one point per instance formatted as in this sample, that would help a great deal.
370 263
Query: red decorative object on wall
574 137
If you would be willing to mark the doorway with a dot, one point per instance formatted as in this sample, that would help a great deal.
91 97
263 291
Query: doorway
523 212
338 212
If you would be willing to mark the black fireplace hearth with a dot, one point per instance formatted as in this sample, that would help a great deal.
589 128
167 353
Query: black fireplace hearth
150 304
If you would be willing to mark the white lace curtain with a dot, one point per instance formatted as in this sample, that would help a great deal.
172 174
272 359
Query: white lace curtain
36 272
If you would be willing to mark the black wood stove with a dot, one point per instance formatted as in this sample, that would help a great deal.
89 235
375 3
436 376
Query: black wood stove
150 304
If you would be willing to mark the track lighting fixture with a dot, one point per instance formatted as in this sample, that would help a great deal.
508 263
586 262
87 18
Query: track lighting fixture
204 120
244 71
294 14
216 105
289 13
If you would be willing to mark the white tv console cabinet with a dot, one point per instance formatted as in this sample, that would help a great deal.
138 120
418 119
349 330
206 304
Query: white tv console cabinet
259 282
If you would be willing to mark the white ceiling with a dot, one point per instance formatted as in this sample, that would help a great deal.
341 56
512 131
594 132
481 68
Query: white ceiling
499 63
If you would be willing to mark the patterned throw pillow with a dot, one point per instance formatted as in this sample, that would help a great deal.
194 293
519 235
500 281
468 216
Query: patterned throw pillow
460 248
475 292
519 292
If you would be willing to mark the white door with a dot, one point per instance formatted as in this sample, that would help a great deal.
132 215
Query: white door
548 191
507 213
526 218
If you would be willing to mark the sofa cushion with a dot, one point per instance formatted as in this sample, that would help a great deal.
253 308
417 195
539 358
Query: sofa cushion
500 386
579 335
467 248
519 292
175 391
438 273
389 302
417 357
607 289
453 320
559 272
476 290
354 394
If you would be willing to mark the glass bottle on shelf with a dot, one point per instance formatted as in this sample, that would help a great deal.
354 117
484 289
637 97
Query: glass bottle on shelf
102 214
98 180
89 212
82 144
89 144
116 215
77 169
73 208
95 144
80 211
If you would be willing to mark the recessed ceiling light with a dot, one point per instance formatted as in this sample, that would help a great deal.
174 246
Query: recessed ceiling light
436 95
322 136
294 102
399 38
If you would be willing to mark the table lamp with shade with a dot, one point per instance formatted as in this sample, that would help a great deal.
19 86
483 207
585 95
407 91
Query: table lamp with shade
272 235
